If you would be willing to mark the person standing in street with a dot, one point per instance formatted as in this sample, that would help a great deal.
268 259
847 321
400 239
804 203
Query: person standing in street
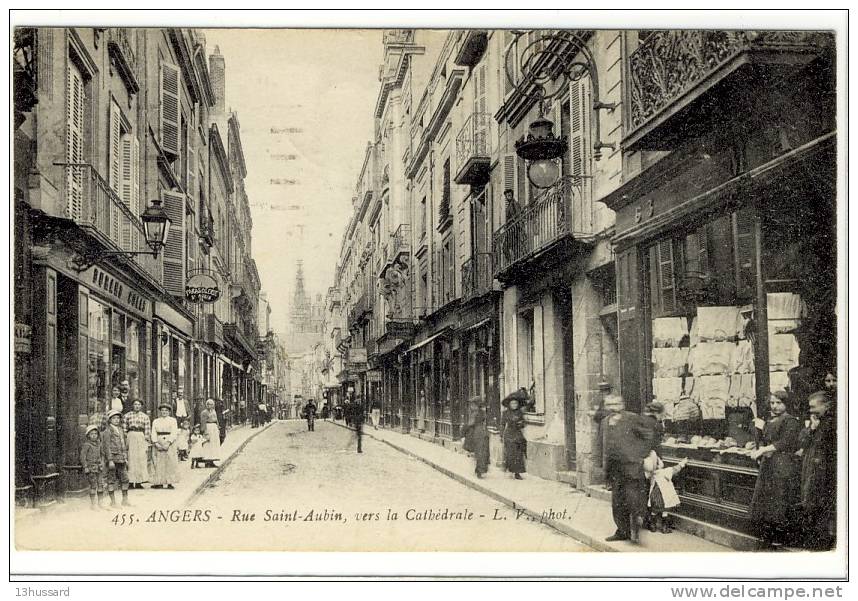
512 426
115 445
629 439
477 435
777 488
165 458
358 418
310 415
211 432
376 414
818 442
138 430
92 458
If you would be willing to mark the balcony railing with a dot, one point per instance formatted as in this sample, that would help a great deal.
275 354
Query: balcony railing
670 66
90 201
477 276
474 150
120 42
400 243
210 330
562 211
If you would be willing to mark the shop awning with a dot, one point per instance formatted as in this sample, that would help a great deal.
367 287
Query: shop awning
444 332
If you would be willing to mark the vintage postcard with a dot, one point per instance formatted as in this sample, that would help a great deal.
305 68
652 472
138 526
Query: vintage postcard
505 289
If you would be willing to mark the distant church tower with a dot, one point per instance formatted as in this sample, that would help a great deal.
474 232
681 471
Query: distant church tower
300 303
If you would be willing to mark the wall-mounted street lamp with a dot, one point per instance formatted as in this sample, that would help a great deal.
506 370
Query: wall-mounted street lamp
547 62
156 227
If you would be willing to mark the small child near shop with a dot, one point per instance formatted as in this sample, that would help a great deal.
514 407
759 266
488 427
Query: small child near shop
114 444
183 440
94 467
662 494
196 442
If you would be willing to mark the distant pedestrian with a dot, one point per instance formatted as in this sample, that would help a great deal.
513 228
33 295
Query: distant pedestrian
376 414
477 435
629 438
358 418
114 443
138 429
310 415
326 412
165 458
777 489
514 442
94 463
818 451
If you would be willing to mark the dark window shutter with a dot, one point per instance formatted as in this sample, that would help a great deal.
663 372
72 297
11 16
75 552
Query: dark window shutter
169 109
174 250
666 277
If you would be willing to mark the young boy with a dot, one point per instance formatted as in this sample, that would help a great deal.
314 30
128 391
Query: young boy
94 467
115 446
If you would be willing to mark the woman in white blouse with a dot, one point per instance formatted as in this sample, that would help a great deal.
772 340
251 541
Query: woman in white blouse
165 458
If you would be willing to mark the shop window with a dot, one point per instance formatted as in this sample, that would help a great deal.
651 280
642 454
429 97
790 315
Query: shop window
98 359
132 358
166 362
529 365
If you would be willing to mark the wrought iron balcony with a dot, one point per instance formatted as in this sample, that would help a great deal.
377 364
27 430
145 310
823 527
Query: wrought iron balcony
91 203
120 43
210 330
474 150
561 214
400 244
333 297
362 307
671 71
207 229
477 276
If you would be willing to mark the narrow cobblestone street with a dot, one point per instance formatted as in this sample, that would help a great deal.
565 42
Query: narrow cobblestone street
299 490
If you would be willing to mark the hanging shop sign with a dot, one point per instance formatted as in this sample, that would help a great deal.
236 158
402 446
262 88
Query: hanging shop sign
202 288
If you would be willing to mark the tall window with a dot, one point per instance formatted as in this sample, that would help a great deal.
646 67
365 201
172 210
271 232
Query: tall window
423 217
444 208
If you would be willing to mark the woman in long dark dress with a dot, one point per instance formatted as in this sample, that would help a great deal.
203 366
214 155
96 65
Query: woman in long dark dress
777 488
514 443
477 435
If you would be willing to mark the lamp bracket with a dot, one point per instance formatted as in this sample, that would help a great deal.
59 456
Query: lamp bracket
547 62
82 261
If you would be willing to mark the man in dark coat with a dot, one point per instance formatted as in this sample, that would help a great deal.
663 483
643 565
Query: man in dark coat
818 442
629 439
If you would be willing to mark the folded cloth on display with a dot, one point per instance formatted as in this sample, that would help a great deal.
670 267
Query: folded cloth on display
693 338
785 311
783 352
718 323
742 361
743 390
710 358
668 411
778 381
668 331
667 390
689 387
707 388
713 408
669 362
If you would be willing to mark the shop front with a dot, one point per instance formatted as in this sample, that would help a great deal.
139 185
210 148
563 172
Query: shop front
726 295
173 347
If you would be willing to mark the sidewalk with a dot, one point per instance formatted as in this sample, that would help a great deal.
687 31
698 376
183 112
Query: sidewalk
557 504
190 485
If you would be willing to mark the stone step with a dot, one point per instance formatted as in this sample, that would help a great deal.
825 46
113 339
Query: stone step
569 478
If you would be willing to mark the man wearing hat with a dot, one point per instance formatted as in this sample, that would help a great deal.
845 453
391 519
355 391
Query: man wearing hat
514 238
629 439
114 445
94 466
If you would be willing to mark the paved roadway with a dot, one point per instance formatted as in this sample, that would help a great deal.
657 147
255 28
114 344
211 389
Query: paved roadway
290 489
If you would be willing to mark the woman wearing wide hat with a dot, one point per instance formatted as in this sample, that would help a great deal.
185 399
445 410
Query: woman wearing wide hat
165 458
512 426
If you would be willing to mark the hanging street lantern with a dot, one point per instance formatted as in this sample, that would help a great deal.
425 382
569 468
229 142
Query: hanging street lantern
156 227
547 61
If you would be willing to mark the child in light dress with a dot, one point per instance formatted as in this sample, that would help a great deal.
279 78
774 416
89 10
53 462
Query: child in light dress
195 447
183 440
662 494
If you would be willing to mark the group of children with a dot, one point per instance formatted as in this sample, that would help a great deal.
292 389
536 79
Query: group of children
104 457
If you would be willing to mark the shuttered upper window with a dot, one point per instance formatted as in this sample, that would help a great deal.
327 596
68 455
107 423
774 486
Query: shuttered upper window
75 99
174 250
169 109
